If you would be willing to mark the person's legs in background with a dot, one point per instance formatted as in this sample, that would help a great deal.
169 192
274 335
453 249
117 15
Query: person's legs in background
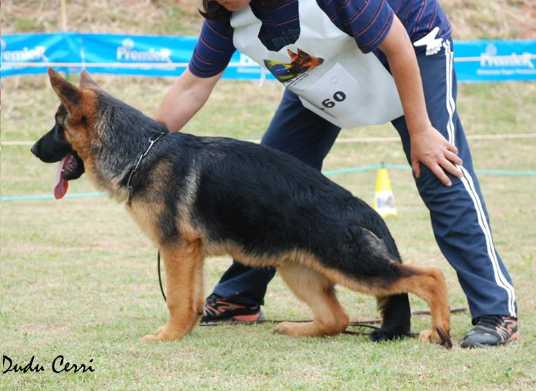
459 217
306 136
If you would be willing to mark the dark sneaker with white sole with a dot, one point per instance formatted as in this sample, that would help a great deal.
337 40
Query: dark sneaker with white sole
491 330
219 310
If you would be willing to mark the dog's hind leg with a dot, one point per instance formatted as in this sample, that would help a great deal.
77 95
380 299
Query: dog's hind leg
318 292
429 284
396 317
183 266
380 274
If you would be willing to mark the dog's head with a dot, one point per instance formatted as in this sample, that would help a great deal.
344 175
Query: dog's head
94 133
69 139
302 61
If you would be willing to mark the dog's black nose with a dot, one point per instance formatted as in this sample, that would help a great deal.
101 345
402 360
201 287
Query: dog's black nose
35 149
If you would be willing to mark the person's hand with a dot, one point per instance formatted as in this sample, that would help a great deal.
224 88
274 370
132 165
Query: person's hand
430 148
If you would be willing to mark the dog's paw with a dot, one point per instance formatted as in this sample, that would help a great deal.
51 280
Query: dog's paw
160 337
163 334
303 329
436 336
426 336
380 335
150 338
284 328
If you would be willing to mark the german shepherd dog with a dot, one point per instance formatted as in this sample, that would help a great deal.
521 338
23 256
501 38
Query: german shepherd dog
201 196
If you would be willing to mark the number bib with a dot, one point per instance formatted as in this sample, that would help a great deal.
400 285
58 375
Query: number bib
325 68
332 93
346 99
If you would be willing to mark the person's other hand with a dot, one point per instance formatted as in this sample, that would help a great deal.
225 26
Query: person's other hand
430 148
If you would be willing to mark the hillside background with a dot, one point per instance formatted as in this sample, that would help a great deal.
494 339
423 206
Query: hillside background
471 18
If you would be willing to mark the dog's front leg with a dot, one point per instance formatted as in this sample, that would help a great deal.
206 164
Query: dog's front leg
184 280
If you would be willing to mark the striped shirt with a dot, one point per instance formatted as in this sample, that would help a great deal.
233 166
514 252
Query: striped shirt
367 21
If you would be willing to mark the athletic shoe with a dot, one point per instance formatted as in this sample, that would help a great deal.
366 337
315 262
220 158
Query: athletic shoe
491 330
219 310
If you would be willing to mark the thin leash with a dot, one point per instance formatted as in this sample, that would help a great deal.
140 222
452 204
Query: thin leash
160 277
369 323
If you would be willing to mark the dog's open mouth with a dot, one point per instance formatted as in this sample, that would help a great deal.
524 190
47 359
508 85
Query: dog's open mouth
70 167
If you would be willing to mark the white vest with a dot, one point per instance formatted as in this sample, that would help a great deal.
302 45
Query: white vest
348 88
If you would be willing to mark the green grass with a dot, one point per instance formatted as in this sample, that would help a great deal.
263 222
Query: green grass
78 278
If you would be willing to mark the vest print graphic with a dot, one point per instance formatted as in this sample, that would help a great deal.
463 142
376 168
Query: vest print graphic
300 62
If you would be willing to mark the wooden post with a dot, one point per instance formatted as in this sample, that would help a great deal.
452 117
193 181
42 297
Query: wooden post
63 15
63 21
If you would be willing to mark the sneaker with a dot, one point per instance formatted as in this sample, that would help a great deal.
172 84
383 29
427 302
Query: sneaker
491 330
217 310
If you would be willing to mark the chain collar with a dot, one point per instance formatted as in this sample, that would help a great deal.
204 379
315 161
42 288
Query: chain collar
152 141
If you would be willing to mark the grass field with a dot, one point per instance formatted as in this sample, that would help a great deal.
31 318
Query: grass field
78 279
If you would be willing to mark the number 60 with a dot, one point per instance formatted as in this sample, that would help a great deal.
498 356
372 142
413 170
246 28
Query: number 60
338 96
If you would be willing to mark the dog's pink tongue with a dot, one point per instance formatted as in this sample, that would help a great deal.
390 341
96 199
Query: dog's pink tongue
61 183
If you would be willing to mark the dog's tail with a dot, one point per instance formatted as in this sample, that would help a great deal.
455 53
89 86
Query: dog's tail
384 234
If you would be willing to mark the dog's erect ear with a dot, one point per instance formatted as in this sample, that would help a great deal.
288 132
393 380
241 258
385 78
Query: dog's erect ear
70 95
292 55
86 81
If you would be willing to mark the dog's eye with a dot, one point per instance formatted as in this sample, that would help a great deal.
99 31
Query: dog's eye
60 120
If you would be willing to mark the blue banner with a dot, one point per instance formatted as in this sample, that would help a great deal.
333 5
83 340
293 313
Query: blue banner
489 60
149 55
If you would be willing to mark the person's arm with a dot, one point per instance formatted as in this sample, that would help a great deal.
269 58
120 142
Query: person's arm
184 98
191 90
428 146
